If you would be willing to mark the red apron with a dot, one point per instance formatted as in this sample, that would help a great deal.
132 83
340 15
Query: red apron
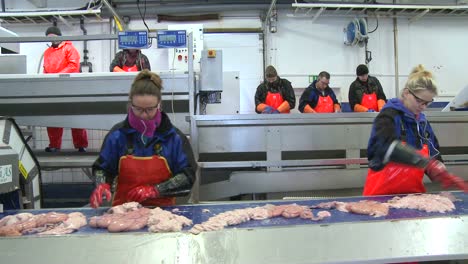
396 178
274 100
134 68
324 105
370 101
137 171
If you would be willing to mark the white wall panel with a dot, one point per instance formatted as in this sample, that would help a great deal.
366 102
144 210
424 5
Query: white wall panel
241 53
440 45
301 48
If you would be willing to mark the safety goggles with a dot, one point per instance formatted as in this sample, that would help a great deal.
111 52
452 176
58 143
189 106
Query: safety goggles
141 110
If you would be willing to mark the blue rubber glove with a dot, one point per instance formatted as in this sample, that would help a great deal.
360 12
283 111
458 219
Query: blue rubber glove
371 110
276 112
269 110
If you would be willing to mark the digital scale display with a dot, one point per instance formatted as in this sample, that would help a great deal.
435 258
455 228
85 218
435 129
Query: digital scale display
172 38
133 39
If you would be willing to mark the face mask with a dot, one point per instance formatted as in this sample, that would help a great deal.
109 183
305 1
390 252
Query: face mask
55 44
145 127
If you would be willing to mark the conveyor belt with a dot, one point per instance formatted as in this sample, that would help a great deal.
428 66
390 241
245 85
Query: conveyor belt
403 235
196 214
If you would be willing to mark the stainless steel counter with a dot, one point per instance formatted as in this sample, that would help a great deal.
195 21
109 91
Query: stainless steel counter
84 100
300 152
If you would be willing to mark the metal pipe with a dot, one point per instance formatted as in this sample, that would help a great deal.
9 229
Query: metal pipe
264 45
85 49
112 43
379 6
272 5
157 9
395 53
58 38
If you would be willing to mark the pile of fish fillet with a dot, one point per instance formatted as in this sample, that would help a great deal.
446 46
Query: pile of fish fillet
133 216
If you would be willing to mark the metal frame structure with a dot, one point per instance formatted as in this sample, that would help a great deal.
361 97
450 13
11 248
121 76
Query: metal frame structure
91 100
299 152
36 17
414 12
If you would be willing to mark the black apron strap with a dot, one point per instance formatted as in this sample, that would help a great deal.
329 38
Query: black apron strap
130 146
403 131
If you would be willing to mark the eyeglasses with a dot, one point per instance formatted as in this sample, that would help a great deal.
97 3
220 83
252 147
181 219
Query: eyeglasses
141 110
421 101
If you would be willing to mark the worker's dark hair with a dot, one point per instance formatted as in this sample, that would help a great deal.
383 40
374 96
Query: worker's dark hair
146 83
270 71
362 70
324 74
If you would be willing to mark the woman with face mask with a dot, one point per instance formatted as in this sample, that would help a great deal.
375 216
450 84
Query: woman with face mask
275 95
403 146
144 158
62 57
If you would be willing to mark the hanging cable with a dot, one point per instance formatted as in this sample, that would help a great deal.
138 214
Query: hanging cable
377 26
142 16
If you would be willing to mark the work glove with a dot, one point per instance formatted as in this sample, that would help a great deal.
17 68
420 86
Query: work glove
96 197
437 172
142 193
371 110
269 110
118 69
276 111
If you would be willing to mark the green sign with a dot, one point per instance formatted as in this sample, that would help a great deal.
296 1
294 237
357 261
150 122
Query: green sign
312 78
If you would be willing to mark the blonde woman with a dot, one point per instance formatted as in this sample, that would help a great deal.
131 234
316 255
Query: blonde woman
403 146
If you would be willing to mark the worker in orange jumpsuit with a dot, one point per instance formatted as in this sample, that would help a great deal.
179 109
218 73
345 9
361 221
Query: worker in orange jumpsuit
319 97
130 60
275 95
366 93
62 57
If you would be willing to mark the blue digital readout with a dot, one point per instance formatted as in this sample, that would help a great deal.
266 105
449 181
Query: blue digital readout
133 39
172 38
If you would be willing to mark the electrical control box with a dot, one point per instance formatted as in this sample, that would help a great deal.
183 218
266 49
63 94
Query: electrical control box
9 174
211 73
133 39
178 57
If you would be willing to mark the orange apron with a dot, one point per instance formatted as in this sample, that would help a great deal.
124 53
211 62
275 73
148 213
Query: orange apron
370 101
324 105
137 171
396 178
134 68
274 100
